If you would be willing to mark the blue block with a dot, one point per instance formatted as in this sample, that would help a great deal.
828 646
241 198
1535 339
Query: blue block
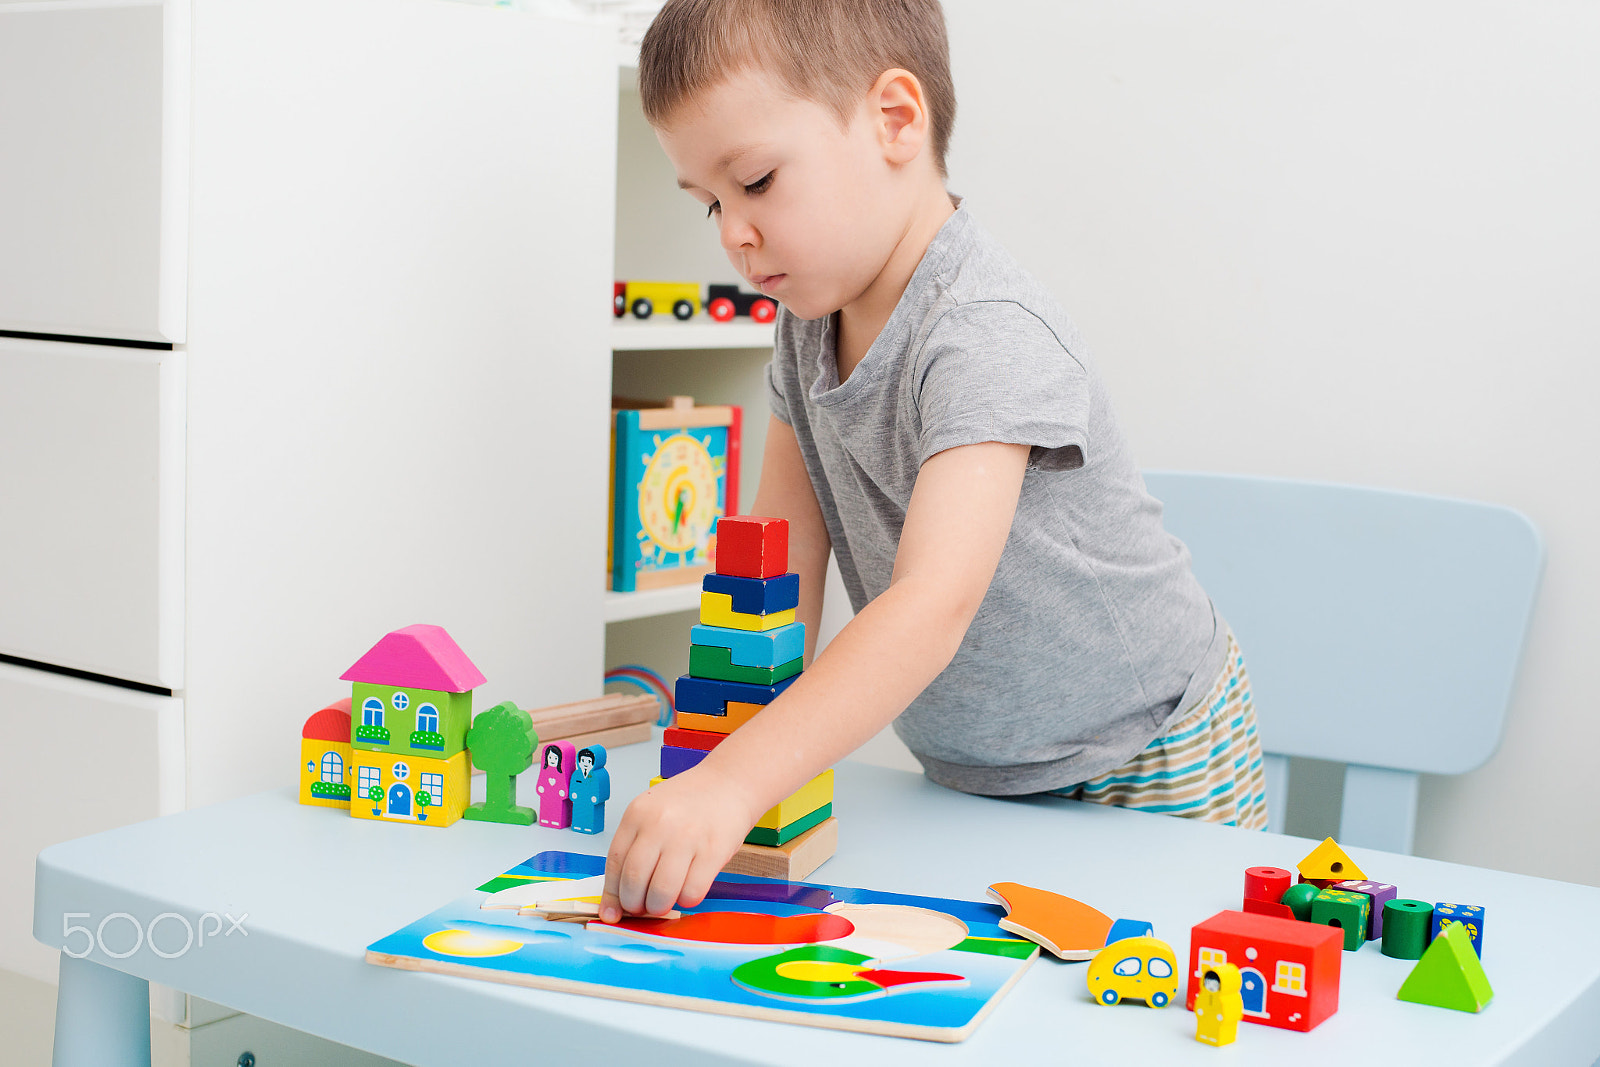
675 760
757 596
1468 915
770 648
710 696
1125 928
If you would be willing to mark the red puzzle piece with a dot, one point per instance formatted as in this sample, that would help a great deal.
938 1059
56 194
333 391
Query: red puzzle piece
749 546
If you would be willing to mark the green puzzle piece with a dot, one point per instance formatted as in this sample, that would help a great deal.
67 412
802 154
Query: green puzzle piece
1449 974
713 661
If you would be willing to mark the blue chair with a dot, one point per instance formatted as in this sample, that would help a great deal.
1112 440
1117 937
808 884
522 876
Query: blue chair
1381 629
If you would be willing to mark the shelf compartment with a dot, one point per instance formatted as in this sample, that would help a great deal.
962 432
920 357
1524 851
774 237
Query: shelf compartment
632 335
647 603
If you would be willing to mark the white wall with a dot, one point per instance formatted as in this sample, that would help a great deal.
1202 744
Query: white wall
1352 242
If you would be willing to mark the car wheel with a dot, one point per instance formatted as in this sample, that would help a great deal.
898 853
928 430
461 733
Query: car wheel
642 308
1158 1000
721 309
683 310
763 311
1108 997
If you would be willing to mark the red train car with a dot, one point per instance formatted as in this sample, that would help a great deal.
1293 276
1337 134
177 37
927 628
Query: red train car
1290 969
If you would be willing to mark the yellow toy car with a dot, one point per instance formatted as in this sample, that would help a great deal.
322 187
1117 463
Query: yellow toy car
645 298
1135 968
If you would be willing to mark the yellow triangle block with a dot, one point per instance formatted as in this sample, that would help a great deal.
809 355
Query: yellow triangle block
1328 861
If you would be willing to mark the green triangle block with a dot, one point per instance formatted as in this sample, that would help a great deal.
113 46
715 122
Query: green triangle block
1449 974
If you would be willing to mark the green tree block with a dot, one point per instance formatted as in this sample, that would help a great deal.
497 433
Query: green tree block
1449 974
1343 909
501 742
714 661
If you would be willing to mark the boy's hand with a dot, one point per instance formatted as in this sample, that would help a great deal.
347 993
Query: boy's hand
671 843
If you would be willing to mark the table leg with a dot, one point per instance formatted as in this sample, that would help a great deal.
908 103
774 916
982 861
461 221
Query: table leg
102 1017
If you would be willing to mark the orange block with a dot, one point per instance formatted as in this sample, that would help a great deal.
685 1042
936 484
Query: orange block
739 713
1069 928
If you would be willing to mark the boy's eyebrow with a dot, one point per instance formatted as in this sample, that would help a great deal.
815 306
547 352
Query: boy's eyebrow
726 160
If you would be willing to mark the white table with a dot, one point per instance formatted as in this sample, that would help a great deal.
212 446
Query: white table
314 888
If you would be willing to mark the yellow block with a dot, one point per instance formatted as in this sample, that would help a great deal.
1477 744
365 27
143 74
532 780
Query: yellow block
403 780
716 609
797 805
739 713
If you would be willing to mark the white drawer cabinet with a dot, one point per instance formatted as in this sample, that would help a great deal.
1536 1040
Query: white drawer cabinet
386 400
93 116
91 508
88 757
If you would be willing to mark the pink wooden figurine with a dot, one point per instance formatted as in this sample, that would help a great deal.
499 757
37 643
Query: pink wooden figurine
555 771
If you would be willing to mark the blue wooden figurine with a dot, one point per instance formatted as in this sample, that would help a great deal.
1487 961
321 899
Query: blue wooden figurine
590 789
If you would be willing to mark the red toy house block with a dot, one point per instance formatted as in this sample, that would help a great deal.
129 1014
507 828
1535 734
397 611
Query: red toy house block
1290 969
752 547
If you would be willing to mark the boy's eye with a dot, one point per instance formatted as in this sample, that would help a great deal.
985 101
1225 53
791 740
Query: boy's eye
760 184
711 210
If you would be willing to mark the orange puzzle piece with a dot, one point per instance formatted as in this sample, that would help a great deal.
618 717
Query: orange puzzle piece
1069 928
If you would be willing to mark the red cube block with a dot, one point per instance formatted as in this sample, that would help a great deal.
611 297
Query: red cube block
1290 969
752 547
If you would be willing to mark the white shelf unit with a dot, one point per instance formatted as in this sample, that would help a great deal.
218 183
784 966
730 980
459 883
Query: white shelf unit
633 335
646 603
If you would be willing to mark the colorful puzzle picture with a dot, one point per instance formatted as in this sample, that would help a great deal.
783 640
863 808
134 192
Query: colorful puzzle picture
818 955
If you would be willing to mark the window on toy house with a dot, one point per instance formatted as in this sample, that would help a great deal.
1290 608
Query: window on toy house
433 785
332 768
400 701
428 718
367 777
372 712
1210 959
1291 979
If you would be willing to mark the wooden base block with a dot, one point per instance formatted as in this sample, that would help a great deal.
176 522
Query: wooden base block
792 861
612 738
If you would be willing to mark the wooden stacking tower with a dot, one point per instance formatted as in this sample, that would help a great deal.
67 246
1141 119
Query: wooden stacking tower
747 649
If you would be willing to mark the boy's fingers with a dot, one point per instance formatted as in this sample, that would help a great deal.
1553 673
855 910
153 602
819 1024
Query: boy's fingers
667 881
637 870
702 872
616 855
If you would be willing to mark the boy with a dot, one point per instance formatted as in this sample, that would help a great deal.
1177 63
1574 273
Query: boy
1021 616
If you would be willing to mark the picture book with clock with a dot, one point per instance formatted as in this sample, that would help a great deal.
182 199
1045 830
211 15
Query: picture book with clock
674 473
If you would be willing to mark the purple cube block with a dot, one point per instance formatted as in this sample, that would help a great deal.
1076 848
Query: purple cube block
1381 894
675 760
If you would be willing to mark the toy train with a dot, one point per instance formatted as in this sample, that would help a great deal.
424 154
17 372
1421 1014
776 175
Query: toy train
722 302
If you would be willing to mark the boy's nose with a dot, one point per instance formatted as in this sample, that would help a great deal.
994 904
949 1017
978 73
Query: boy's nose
738 234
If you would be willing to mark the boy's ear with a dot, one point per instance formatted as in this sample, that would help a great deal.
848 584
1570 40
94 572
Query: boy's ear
900 112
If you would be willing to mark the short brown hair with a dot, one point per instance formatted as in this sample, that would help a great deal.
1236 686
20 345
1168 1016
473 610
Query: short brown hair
827 51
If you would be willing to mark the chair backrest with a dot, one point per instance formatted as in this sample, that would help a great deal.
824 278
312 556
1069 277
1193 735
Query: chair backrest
1380 628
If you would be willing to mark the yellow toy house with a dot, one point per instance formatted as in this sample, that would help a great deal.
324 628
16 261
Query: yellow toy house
402 752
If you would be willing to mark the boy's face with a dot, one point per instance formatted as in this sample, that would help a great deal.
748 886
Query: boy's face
808 213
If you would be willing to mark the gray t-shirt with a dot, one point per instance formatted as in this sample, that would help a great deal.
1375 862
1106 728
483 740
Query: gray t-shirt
1094 632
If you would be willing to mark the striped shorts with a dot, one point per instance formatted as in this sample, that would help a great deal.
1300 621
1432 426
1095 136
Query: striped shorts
1206 766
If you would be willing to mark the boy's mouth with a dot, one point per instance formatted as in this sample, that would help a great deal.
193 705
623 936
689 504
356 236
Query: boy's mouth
764 282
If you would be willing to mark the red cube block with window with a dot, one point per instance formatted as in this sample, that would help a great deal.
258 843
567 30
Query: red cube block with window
1289 969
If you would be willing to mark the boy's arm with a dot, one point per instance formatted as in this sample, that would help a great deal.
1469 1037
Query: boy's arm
674 839
786 493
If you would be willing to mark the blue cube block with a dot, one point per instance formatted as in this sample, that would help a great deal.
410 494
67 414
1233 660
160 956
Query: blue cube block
756 596
1468 915
710 696
1126 928
752 648
675 760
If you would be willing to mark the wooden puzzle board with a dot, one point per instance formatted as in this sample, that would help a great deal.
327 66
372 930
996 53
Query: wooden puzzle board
798 952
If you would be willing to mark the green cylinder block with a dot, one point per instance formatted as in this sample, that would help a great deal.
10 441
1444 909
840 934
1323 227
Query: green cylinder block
1405 928
1299 898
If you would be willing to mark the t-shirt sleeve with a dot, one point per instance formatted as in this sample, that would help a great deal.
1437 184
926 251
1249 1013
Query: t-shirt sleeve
993 371
775 397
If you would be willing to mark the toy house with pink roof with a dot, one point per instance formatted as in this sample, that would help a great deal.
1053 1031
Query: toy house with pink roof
410 707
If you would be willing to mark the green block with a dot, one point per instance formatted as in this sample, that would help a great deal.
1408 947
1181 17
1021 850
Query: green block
712 661
403 732
997 946
1449 974
1406 925
1343 909
1299 898
761 835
